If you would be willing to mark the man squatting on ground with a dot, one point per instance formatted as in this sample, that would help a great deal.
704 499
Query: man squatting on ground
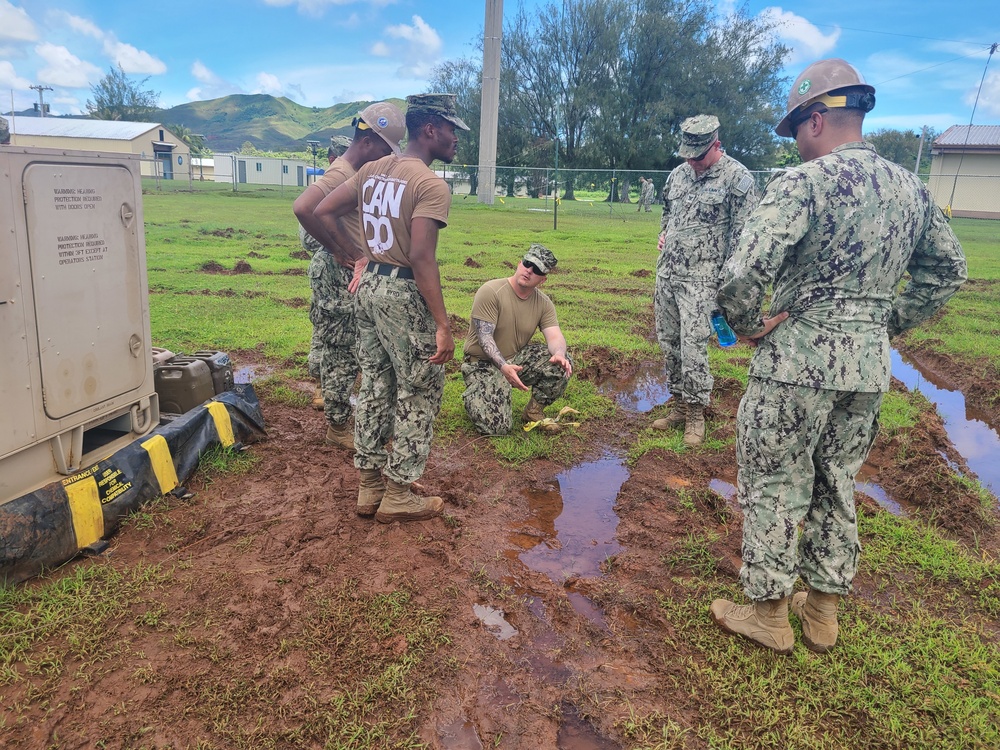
705 202
377 132
835 235
404 335
498 356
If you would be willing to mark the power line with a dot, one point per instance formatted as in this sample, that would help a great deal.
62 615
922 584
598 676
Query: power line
908 36
935 65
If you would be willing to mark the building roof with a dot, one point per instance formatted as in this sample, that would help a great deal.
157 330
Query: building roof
976 136
112 130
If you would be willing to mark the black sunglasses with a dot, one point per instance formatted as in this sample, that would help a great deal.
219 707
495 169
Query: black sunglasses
532 267
794 125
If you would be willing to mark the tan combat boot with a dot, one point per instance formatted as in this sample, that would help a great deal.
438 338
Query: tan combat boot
533 411
371 488
694 427
399 504
675 417
341 434
818 614
764 623
317 402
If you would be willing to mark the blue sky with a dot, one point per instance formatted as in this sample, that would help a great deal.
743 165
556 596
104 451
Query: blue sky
926 59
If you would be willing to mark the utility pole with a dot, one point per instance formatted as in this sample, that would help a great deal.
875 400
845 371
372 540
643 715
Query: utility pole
490 109
41 99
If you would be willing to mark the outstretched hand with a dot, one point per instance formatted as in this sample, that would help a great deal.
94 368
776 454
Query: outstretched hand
510 372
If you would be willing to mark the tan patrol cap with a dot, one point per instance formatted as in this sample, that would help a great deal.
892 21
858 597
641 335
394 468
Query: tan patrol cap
386 120
697 134
819 79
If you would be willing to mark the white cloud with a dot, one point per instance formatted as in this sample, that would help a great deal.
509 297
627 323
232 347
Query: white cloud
63 68
268 83
213 86
806 41
316 8
418 48
9 79
989 97
132 60
15 24
83 26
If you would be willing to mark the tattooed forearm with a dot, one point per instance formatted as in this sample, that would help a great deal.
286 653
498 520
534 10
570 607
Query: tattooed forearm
484 332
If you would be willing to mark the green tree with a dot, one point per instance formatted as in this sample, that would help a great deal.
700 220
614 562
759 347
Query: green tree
901 147
117 97
463 78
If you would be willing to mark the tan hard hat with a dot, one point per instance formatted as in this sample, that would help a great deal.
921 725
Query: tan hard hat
818 79
386 120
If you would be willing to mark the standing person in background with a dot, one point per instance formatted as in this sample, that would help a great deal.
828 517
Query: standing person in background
377 132
403 328
834 235
705 202
646 190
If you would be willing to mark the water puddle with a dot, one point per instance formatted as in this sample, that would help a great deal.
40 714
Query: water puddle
967 428
250 373
461 734
640 393
576 733
494 622
572 523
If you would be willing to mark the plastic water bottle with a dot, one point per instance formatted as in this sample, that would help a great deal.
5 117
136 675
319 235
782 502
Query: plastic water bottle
722 329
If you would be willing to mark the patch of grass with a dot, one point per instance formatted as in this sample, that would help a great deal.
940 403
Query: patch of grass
275 388
900 412
220 460
672 441
693 553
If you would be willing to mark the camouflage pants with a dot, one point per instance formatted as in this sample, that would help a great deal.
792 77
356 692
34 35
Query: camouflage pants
400 390
334 334
799 450
682 308
311 245
487 392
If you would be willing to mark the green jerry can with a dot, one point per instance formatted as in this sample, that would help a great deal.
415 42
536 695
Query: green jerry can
182 384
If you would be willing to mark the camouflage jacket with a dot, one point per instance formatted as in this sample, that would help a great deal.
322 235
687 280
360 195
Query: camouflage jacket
835 236
702 218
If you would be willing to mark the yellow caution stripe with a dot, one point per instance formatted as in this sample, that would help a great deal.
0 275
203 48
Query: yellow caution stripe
223 423
85 507
162 463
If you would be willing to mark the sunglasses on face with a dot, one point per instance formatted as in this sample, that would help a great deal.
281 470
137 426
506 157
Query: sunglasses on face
532 267
794 125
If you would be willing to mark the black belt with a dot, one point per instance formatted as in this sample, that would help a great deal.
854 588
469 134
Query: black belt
387 269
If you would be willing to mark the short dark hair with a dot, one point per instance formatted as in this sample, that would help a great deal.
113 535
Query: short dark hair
415 122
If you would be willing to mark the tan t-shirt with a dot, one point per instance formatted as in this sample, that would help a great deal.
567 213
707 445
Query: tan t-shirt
516 319
391 192
339 172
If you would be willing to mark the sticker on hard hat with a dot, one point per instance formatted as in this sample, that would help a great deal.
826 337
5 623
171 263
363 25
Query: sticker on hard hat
382 122
805 86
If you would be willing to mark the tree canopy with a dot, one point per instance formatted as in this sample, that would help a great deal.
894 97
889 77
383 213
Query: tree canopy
117 97
902 146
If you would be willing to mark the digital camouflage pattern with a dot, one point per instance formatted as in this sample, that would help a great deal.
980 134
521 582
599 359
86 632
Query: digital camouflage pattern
646 195
697 134
702 219
334 334
487 392
442 105
836 235
311 245
400 389
798 450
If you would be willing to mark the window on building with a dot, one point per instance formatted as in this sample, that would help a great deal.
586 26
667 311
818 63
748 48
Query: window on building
284 169
260 167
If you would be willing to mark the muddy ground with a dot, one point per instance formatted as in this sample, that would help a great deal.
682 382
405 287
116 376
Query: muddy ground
253 557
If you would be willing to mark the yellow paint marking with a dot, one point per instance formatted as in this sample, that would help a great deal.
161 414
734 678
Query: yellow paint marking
85 507
162 463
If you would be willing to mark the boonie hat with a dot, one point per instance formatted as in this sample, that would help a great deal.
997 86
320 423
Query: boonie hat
541 257
386 120
442 105
697 134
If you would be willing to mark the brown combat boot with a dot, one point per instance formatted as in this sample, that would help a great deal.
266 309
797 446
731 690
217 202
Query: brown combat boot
764 623
675 417
533 411
371 488
818 614
694 427
340 434
317 403
399 504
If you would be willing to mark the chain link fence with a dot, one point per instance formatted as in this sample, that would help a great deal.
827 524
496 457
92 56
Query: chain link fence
529 189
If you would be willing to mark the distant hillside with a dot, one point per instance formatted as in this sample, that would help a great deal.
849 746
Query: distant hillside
270 123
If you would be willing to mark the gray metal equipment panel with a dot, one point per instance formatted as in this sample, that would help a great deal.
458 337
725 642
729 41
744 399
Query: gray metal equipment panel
85 267
15 381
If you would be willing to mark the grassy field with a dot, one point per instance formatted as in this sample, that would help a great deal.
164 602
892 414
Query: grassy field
928 677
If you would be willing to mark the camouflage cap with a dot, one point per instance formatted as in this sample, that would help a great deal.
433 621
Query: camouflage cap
442 105
697 134
386 120
541 256
340 141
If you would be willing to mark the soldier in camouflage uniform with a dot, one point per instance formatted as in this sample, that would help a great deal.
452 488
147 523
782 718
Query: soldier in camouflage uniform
404 333
705 202
332 356
498 356
646 190
835 236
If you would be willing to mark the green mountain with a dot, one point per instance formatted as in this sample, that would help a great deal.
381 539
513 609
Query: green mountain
269 123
